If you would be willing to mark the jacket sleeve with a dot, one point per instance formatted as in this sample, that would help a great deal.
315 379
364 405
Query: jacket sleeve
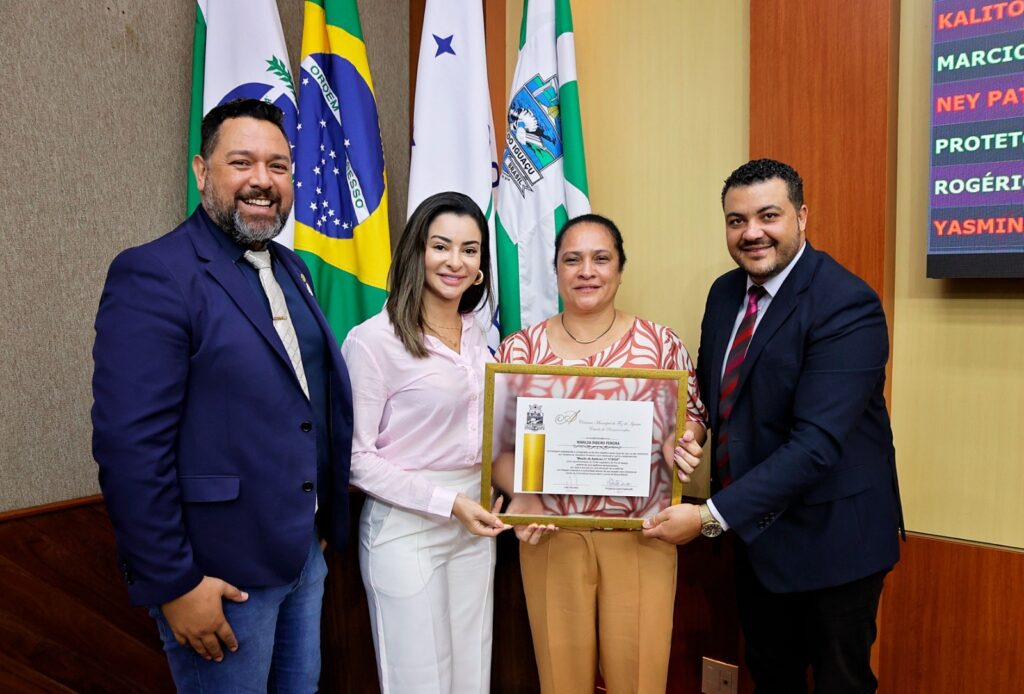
141 357
843 364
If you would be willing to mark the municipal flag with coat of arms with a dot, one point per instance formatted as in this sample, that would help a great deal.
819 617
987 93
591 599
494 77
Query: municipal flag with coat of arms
341 202
453 132
238 52
543 170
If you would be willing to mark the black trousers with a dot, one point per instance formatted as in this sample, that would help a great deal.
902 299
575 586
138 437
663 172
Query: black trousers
829 630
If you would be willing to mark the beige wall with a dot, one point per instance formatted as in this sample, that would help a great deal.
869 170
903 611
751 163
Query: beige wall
663 91
957 380
94 131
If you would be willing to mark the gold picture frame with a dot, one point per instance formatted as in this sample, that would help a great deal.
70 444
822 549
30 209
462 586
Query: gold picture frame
698 487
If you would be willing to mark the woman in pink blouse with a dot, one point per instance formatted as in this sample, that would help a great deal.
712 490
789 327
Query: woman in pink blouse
617 580
426 547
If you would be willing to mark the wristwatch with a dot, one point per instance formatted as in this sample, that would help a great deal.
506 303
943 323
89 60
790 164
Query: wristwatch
709 527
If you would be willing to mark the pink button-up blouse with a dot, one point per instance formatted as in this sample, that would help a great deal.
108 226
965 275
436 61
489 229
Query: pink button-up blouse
414 414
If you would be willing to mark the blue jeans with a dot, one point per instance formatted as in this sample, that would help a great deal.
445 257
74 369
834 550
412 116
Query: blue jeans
278 632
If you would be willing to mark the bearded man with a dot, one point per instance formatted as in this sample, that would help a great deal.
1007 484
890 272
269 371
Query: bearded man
222 422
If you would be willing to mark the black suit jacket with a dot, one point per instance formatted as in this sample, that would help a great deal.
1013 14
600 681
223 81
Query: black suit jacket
814 496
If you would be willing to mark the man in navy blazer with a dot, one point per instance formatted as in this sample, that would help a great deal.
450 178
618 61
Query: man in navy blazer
802 452
221 475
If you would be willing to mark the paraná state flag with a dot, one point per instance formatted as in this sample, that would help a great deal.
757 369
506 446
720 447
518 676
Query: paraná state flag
238 52
453 132
543 170
341 210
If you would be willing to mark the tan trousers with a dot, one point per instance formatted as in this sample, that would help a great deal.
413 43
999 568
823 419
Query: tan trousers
604 593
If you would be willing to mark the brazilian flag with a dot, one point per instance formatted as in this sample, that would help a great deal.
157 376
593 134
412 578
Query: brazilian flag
341 201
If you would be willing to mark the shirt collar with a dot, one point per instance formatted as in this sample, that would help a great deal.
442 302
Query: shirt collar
234 250
773 285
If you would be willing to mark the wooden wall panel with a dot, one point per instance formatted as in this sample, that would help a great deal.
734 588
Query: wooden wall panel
952 619
65 623
706 622
823 80
348 662
823 98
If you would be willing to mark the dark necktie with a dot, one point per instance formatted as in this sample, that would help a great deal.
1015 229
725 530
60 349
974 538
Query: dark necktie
731 380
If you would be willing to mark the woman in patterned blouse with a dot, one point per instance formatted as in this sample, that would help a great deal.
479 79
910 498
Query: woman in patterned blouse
617 580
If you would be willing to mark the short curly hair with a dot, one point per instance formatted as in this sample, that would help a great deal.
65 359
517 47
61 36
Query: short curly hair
759 170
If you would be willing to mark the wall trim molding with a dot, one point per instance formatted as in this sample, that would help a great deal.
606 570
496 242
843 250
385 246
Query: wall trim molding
964 541
50 508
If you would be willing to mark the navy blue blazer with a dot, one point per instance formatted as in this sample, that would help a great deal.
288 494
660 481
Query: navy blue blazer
203 436
814 496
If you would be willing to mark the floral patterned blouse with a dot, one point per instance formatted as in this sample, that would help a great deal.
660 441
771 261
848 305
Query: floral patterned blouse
646 345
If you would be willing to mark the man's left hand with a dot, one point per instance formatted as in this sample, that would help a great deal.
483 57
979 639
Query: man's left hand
677 524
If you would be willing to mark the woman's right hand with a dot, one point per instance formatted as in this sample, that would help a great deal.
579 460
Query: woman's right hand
529 505
475 517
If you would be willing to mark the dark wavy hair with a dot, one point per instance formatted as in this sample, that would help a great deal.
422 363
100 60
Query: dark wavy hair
236 108
760 170
407 278
591 218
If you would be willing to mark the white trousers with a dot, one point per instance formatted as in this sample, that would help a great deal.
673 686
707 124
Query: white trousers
429 584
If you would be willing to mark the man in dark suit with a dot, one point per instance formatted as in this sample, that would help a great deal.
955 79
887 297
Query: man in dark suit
792 365
222 422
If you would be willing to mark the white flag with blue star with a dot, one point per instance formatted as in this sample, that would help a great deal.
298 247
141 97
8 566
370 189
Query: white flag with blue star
453 139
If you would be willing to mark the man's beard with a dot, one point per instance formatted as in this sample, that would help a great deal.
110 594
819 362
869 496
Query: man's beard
784 254
244 233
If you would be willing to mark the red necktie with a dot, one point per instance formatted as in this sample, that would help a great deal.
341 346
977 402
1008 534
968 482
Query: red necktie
731 379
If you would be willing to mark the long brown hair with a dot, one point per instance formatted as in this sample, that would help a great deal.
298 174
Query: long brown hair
407 278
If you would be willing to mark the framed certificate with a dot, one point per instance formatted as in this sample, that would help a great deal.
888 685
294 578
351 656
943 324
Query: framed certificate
584 447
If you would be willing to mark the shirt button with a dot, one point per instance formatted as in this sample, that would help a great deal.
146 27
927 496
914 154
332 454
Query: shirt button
306 426
307 486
